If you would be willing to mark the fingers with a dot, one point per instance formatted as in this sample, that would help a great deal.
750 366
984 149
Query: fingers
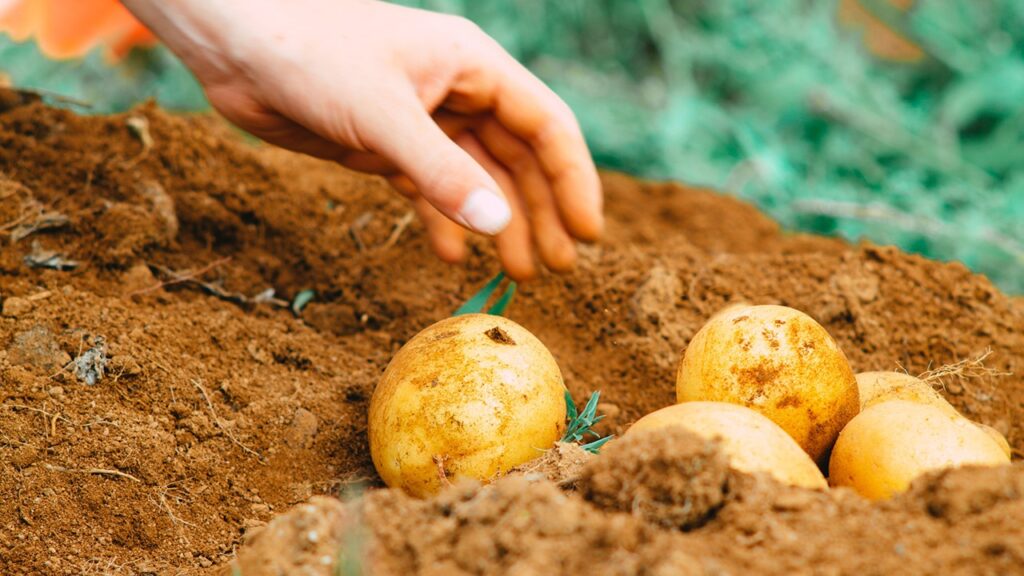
548 125
536 115
557 249
514 244
447 239
444 174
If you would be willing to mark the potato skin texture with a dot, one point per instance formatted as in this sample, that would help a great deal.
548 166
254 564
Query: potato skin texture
752 442
878 387
887 446
478 393
779 362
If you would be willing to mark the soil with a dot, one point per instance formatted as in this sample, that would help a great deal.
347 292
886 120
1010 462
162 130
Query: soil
156 256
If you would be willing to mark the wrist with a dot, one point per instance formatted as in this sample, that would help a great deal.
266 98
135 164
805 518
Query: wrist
199 32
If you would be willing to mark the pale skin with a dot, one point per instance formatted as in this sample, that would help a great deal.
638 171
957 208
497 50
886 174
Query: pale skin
427 100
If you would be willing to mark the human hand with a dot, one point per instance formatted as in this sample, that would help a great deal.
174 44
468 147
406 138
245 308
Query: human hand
427 100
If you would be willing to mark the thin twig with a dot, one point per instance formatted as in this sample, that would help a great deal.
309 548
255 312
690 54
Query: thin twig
162 497
94 471
49 418
220 424
177 278
39 296
353 230
400 227
118 473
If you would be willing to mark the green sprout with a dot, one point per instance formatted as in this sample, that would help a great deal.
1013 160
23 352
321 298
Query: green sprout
476 304
581 423
300 301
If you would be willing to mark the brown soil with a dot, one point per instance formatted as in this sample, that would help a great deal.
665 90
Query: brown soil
967 522
218 408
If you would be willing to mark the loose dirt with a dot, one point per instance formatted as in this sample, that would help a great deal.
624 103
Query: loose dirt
164 273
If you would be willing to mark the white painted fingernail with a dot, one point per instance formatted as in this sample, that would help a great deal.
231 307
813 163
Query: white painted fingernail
485 211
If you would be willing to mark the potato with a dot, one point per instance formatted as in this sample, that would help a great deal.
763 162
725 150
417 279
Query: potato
878 387
887 446
469 397
998 437
779 362
751 442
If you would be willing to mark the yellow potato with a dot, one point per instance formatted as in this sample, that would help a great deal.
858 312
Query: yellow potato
779 362
878 387
887 446
752 442
998 437
469 397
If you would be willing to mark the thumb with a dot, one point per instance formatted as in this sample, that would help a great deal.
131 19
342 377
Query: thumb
445 175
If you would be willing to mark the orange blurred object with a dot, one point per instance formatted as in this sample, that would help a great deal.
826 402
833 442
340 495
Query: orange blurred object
880 39
71 28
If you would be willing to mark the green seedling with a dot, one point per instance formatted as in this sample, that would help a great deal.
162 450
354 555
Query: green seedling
301 299
477 303
581 423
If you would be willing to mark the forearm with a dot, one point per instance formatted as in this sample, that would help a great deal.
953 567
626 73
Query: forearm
212 37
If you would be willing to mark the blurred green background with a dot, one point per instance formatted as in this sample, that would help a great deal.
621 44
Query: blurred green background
774 102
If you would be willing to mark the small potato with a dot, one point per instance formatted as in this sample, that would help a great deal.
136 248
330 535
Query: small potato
878 387
469 397
887 446
779 362
751 442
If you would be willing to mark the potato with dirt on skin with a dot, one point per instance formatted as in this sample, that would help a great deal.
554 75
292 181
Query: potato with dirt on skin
471 396
878 387
779 362
887 446
750 441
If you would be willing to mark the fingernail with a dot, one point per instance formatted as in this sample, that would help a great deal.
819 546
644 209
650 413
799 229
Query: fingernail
485 211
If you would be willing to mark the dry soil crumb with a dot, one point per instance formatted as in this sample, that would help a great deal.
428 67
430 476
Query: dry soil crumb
562 465
670 477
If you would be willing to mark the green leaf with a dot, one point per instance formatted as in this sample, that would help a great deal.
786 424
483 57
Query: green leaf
595 446
476 304
499 307
580 423
570 407
301 299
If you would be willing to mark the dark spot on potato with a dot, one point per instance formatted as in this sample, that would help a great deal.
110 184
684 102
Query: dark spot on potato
500 336
759 378
739 319
789 401
780 322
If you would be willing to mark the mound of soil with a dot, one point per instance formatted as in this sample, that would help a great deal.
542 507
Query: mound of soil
753 525
160 402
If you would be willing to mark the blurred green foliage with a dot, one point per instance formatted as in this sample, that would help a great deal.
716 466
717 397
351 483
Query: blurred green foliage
778 104
104 87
